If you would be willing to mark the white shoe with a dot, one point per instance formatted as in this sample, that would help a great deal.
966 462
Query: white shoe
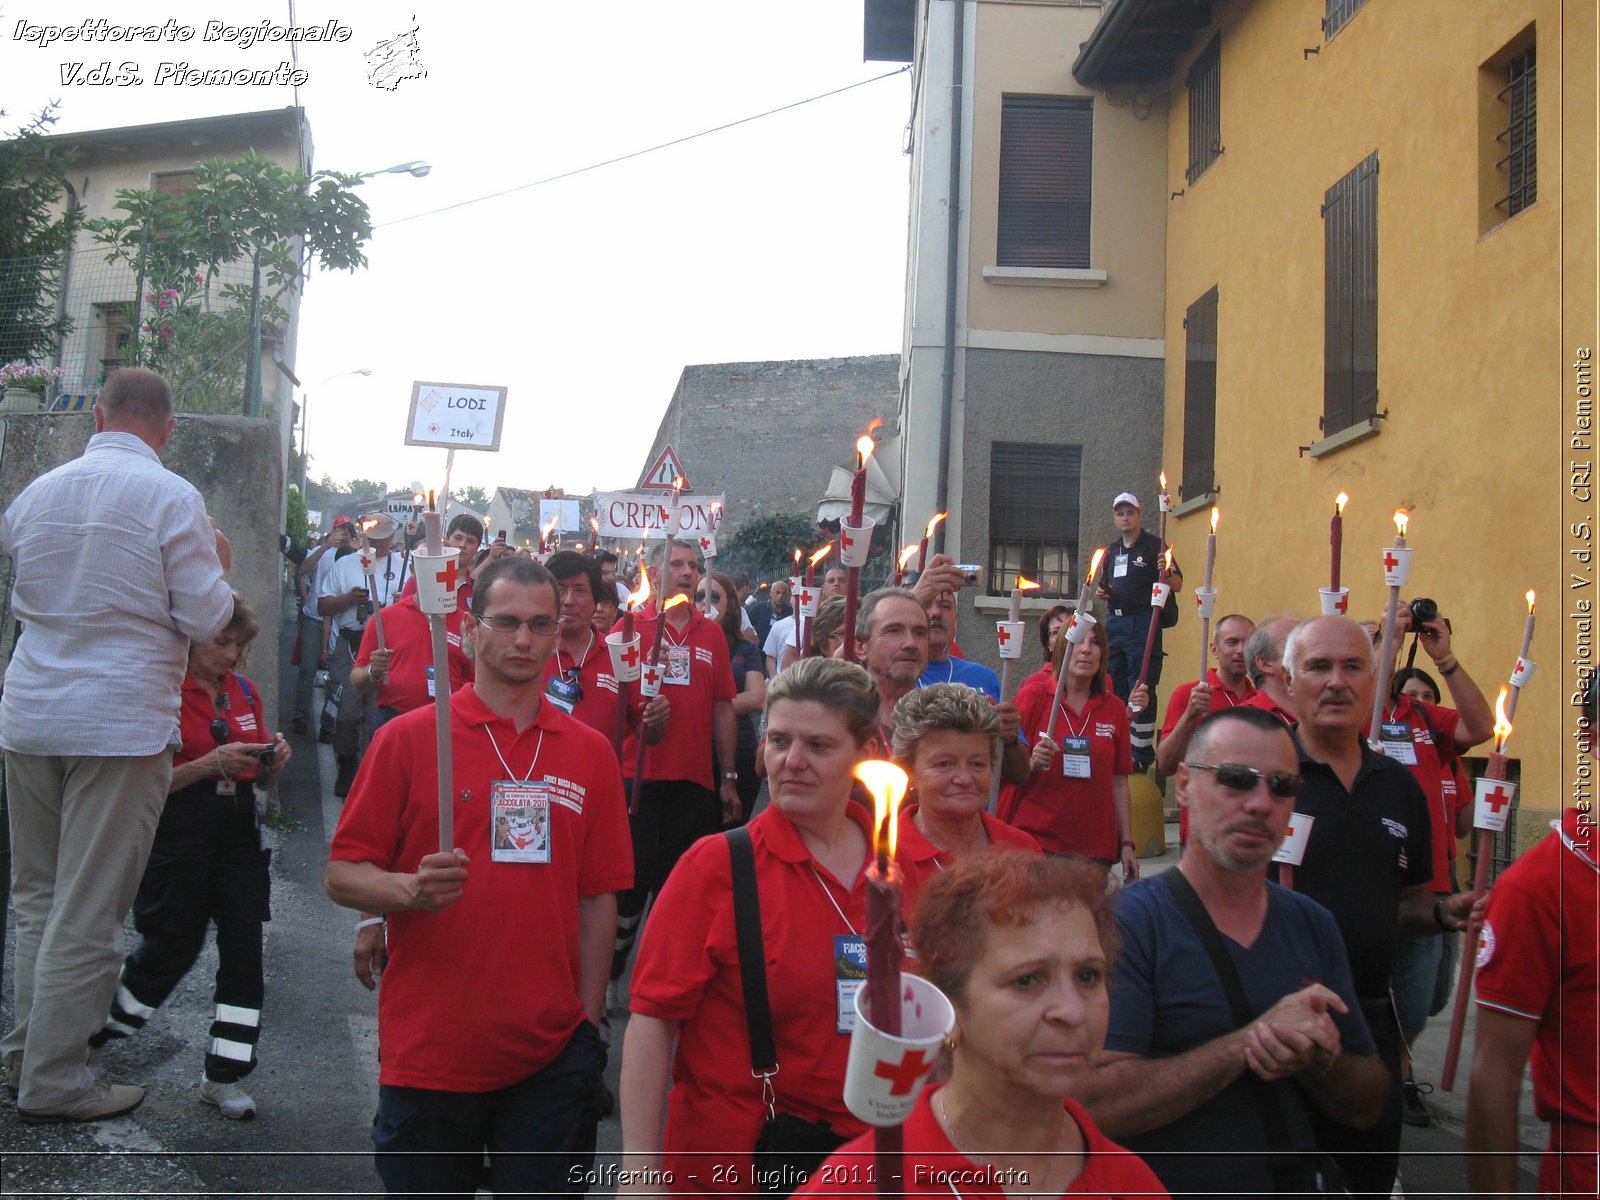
231 1099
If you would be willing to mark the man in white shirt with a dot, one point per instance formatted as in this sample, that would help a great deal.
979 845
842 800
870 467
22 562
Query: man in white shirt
118 568
343 596
313 625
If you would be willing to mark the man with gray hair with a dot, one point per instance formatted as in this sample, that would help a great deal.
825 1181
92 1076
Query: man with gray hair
1367 858
1263 657
118 568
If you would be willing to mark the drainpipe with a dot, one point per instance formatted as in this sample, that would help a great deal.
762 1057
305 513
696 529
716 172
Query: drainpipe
952 260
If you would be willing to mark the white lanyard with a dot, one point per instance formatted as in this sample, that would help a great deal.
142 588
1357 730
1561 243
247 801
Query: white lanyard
666 628
577 663
537 746
831 900
1077 733
950 671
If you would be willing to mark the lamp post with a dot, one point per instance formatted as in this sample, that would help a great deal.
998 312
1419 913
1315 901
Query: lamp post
305 408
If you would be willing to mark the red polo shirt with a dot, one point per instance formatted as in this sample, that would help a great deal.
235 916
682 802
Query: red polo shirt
1432 731
1072 816
1258 698
598 707
921 862
243 713
406 633
485 993
688 971
685 751
1222 696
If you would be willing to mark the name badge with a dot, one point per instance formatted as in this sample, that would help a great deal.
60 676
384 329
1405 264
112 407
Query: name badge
519 816
227 787
563 692
1119 566
850 976
678 666
1075 757
430 681
1397 743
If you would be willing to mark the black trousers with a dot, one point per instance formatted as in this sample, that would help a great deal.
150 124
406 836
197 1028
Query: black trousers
207 866
1371 1157
670 816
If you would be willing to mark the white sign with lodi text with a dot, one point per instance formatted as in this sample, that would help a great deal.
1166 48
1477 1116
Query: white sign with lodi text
456 416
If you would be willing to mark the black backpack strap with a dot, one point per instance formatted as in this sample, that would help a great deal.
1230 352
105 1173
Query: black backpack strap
752 962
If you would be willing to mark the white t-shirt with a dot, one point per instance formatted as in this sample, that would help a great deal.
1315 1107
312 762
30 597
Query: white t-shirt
779 637
388 579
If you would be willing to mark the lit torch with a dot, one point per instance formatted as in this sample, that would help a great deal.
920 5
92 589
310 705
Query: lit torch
369 568
900 564
653 662
1396 568
801 617
927 535
887 783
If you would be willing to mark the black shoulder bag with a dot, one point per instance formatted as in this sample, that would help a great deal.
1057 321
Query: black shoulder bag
1294 1169
790 1148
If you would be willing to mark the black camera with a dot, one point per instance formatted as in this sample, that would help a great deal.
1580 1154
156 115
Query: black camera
364 610
265 757
1423 610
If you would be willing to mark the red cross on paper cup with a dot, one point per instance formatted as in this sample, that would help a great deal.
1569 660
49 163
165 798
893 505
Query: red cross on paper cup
1396 565
708 545
1205 600
1158 594
650 680
1010 636
1335 601
1295 837
1522 672
855 541
437 575
884 1074
624 657
903 1075
805 602
1492 807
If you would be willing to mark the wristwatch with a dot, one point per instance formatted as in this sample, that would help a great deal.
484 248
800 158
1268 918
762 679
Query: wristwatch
733 775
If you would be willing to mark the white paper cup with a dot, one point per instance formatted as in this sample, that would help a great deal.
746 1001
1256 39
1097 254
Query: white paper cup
437 577
1159 592
805 602
625 657
1010 634
1335 603
1164 500
650 680
1293 850
796 582
885 1074
1206 600
708 544
1491 807
1080 625
1396 565
855 541
1522 672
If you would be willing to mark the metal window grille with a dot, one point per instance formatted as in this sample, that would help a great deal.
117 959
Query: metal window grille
1200 396
1338 16
1033 516
1205 110
1350 299
1046 157
1520 161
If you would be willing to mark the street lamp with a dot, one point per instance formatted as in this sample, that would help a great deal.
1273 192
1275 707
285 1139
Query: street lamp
415 169
305 407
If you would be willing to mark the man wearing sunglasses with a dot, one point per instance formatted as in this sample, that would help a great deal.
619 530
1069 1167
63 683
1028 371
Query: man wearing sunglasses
1368 859
489 1010
1181 1078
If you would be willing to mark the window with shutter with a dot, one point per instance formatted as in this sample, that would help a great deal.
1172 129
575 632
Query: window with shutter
1337 16
1200 397
1046 155
1520 163
1033 516
1350 299
1205 110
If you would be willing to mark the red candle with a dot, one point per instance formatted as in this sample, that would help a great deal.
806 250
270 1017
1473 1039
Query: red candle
927 533
1336 539
1155 621
900 563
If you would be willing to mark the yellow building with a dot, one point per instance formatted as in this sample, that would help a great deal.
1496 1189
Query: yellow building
1380 279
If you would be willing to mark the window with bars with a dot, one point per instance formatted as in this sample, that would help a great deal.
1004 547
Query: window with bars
1046 160
1033 516
1520 163
1337 16
1205 110
1350 299
1200 397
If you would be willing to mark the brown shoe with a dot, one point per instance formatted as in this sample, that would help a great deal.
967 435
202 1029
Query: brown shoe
14 1072
99 1102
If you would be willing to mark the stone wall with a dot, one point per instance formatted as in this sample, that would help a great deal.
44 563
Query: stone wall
233 461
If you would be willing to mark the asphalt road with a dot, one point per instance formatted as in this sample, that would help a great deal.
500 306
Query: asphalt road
316 1085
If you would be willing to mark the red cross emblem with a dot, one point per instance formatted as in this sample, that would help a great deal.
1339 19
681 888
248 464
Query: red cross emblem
1289 833
652 675
1343 603
1520 668
806 597
904 1075
447 577
1497 798
1005 637
630 654
1390 562
845 540
705 545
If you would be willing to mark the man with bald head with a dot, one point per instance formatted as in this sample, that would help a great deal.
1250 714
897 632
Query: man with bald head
118 569
1263 657
1367 859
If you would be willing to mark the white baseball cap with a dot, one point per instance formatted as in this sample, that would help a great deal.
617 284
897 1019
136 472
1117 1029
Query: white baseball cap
1126 498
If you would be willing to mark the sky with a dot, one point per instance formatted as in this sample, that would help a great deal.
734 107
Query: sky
585 297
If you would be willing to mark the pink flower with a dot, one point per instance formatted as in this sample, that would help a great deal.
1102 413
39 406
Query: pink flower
166 333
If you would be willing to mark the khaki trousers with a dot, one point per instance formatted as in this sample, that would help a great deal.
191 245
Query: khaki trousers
81 831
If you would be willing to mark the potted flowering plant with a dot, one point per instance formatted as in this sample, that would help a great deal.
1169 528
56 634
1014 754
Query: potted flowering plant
26 384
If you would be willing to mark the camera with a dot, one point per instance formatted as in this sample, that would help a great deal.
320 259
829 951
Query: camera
265 756
364 611
1423 610
971 574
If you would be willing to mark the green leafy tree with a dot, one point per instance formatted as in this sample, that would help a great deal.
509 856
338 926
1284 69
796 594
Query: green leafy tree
36 230
471 496
764 546
193 325
294 521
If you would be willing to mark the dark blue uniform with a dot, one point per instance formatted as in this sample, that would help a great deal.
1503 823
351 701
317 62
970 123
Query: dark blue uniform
1127 573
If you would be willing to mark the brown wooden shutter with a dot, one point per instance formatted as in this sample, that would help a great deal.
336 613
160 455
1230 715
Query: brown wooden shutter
1046 158
1350 298
1200 396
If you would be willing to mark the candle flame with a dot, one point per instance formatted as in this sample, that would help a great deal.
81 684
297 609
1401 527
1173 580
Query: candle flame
907 554
1094 563
417 499
1026 585
594 524
1168 557
932 522
797 560
678 483
1215 513
874 425
864 445
680 598
1401 519
887 783
1502 723
1529 598
640 598
1340 501
1163 478
549 527
821 554
366 525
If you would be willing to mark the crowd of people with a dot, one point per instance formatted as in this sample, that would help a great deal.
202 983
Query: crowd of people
698 857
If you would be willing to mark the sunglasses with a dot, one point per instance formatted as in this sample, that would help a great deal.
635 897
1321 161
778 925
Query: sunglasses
1237 777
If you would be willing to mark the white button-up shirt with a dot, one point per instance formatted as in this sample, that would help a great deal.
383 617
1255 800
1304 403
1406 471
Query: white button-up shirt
116 571
388 578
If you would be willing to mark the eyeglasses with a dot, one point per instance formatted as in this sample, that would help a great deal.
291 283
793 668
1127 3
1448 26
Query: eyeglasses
1237 777
505 623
